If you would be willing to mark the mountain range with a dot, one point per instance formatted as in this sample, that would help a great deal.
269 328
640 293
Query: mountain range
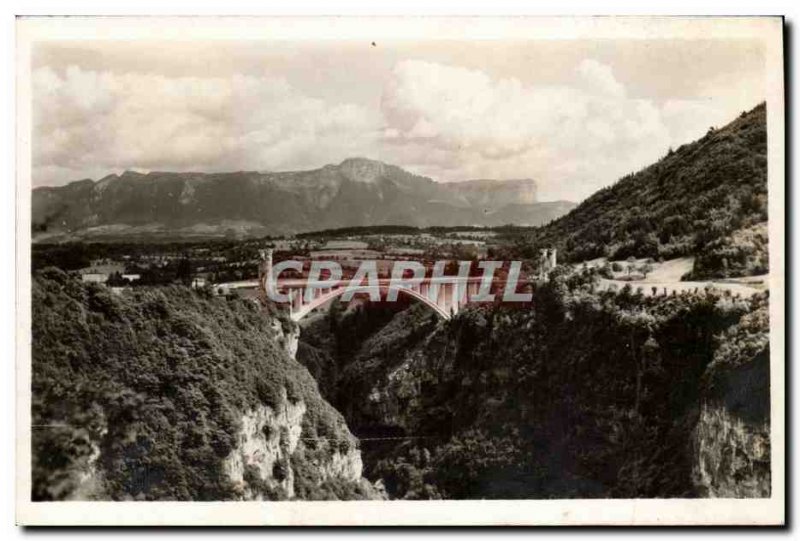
356 192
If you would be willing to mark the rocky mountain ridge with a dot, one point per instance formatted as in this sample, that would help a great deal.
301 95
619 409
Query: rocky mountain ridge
356 192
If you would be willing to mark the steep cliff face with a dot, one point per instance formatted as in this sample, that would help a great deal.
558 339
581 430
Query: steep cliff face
732 456
392 398
261 466
288 335
267 439
732 437
382 380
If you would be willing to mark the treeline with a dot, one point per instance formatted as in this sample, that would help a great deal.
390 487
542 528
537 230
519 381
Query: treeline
707 199
78 255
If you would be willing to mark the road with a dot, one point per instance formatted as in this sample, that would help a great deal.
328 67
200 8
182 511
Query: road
667 275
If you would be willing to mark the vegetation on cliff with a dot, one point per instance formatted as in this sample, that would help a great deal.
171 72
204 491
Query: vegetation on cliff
584 394
143 392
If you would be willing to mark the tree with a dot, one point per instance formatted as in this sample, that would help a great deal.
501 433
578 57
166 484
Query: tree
115 279
631 262
185 271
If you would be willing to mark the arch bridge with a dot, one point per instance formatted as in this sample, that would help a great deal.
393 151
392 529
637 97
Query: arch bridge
445 295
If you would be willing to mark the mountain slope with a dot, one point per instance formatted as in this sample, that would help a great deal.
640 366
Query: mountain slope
707 198
357 192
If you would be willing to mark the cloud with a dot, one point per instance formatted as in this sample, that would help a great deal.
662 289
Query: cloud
87 121
574 137
599 78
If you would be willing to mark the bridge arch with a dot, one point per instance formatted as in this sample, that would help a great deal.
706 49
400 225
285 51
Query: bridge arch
339 291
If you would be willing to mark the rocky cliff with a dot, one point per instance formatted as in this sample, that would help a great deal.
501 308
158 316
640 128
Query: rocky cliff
732 456
262 466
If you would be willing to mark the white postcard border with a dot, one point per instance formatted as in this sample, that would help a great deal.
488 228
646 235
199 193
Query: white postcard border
489 512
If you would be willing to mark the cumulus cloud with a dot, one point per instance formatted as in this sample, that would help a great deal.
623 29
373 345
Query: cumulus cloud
86 121
460 123
600 78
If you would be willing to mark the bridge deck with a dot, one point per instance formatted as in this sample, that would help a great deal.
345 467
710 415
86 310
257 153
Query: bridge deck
383 282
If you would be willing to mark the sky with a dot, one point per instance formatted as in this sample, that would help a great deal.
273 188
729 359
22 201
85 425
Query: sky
575 115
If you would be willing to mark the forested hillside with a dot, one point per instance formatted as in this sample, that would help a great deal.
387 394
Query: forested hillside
707 199
172 394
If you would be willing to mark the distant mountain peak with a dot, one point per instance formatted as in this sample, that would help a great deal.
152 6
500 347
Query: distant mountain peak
360 160
128 174
362 169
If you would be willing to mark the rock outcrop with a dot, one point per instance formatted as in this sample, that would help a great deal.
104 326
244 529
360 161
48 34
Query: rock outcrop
288 334
733 456
732 437
261 464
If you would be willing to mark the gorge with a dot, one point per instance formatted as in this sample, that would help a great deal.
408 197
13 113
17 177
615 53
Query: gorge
588 394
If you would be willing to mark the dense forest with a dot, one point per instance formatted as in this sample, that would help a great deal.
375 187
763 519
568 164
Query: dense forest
145 391
584 394
707 198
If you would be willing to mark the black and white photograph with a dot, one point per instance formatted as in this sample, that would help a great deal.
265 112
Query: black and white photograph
523 270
